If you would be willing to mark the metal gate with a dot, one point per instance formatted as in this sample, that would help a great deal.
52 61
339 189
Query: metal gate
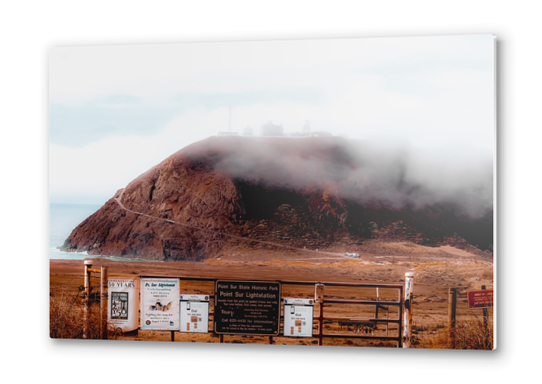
387 311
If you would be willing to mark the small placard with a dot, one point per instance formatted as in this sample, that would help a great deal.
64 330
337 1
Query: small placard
194 297
298 315
291 301
194 313
119 305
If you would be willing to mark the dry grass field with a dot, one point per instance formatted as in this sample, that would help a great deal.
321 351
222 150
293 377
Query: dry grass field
436 270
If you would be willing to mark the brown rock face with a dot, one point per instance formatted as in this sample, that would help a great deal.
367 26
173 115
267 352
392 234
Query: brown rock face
297 192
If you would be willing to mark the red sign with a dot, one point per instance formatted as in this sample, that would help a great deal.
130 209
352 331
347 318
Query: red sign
480 299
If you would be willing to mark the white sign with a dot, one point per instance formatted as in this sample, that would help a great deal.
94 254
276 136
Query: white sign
194 313
160 304
122 311
298 314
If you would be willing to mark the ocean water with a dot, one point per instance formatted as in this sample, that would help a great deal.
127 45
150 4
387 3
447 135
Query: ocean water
63 218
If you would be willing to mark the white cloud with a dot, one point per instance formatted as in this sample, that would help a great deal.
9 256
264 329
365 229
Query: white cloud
433 92
79 73
95 172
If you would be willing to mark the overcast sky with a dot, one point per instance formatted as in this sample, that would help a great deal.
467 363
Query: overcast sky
116 111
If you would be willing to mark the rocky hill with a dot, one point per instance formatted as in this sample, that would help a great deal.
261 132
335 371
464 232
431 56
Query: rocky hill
309 192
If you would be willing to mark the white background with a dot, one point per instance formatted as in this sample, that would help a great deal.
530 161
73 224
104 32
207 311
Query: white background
29 29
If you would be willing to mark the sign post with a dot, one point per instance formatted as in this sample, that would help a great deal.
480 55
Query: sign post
482 300
484 313
407 317
319 298
247 307
452 304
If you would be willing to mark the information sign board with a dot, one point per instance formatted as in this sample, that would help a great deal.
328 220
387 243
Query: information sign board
160 304
247 307
194 313
480 299
122 311
298 315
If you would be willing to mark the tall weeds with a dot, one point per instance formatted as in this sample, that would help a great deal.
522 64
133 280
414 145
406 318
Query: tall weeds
473 334
66 316
470 333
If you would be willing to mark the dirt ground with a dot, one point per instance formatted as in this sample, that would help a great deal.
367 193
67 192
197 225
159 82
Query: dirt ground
435 271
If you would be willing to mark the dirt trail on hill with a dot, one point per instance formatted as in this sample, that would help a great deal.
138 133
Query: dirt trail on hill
119 201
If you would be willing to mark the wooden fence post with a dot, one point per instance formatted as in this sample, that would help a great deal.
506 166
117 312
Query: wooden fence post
377 306
486 342
104 297
452 302
86 306
407 315
319 298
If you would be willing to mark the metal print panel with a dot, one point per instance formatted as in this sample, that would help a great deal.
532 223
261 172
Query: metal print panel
356 175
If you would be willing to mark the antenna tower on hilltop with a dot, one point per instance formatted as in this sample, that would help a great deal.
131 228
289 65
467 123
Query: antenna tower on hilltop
306 128
229 122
